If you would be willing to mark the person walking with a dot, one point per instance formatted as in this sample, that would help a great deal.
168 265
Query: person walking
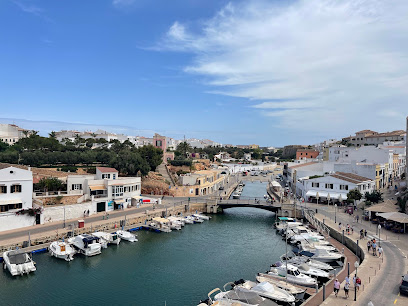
365 233
354 280
358 283
336 287
346 289
374 246
339 226
380 251
369 246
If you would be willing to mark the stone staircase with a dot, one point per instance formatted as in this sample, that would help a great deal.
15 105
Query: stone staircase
162 169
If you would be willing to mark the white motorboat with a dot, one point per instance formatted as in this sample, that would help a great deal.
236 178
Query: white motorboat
201 216
310 271
85 244
297 292
175 223
298 260
310 239
62 250
181 220
266 290
285 222
322 255
242 298
125 235
311 247
197 219
236 195
107 238
292 274
18 262
188 220
161 224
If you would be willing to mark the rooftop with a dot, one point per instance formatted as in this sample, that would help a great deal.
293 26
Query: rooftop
350 177
106 169
302 165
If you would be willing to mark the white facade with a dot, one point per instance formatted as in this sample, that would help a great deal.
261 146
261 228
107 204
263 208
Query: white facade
10 133
16 191
335 187
106 190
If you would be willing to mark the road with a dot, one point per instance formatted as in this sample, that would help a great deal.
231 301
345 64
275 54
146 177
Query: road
384 289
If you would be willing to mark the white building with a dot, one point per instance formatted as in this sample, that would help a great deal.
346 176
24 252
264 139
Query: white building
333 187
10 133
106 190
16 191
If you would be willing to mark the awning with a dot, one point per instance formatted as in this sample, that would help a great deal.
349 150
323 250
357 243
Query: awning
97 187
338 196
120 201
311 193
395 216
11 201
382 208
323 194
162 220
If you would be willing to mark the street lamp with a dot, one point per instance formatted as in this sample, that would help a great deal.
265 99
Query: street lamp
335 213
356 264
379 234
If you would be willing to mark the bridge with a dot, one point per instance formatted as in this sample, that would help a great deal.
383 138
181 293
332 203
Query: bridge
249 202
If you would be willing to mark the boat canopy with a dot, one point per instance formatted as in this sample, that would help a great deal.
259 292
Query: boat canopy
17 259
264 286
286 219
248 297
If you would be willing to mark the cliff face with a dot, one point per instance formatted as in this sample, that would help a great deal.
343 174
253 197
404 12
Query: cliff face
154 183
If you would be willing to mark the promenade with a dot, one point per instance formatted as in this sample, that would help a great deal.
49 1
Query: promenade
380 277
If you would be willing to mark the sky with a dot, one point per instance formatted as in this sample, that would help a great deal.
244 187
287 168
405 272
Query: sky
273 73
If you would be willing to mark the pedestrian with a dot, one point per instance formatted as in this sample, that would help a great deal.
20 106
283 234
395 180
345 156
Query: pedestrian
361 234
336 287
374 246
357 217
352 230
339 226
87 212
358 283
380 251
346 289
369 246
354 280
365 233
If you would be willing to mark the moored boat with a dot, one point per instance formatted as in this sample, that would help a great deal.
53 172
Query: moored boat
62 250
125 235
18 262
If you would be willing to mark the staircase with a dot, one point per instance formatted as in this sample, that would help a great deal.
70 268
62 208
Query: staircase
162 169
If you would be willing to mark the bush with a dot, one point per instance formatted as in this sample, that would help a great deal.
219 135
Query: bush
179 163
180 172
68 168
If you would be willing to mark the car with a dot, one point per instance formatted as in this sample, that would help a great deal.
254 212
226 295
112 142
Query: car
221 188
404 285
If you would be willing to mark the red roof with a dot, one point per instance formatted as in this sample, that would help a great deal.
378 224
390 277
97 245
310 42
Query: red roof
106 169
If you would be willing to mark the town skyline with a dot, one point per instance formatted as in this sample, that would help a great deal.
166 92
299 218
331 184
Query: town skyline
206 68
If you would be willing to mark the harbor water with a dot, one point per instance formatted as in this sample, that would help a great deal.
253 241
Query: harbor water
177 268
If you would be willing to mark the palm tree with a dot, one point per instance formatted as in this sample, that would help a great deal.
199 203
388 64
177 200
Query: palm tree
52 134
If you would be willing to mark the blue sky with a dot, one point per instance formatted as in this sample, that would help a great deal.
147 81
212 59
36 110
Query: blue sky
266 72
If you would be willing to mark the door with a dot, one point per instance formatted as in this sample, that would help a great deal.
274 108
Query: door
37 219
100 206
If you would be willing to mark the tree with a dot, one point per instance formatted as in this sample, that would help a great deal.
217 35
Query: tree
354 194
52 134
256 154
183 148
129 163
50 184
402 203
374 197
3 146
153 156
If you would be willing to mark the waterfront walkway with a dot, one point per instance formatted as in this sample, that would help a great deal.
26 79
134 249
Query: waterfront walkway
380 277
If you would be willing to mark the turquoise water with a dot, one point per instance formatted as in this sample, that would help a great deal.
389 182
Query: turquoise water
178 268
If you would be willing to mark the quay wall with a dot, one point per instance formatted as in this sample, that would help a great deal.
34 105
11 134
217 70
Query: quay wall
56 213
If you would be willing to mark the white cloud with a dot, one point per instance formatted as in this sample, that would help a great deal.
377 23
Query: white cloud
317 63
29 8
122 3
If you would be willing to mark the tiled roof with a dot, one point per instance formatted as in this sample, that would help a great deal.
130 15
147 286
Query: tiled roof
365 131
350 177
302 165
393 133
106 169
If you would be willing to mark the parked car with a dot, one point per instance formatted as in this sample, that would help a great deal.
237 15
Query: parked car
404 285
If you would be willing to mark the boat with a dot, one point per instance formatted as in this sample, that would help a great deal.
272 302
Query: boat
62 250
297 260
201 216
188 220
125 235
179 219
175 223
18 262
308 270
107 238
161 224
297 292
197 219
322 255
311 247
236 195
266 290
241 298
285 222
85 244
292 274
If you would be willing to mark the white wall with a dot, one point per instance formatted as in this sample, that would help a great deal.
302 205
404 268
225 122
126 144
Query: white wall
9 221
11 176
52 214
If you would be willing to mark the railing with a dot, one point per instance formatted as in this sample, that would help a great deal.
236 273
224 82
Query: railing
320 226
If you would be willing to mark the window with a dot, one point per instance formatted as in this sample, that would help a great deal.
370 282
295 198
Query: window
3 208
76 186
3 189
15 188
343 187
117 191
15 206
105 176
114 176
329 186
315 185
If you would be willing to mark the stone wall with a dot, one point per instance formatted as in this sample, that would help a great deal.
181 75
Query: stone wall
52 200
9 221
56 212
